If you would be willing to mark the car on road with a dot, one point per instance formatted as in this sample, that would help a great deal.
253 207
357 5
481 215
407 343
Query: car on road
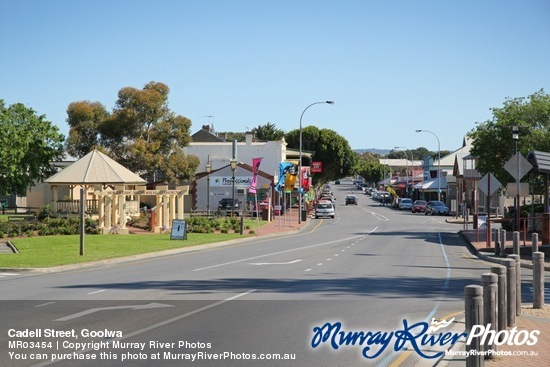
405 203
225 204
436 207
324 208
419 206
384 197
351 199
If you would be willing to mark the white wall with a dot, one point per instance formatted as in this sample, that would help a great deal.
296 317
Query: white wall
272 152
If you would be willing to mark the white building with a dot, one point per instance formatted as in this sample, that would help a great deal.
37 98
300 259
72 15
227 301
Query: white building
209 148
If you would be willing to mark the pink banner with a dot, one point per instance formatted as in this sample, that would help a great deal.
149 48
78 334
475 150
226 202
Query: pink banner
305 179
255 168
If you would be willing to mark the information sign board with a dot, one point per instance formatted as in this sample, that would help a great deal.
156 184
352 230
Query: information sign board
179 230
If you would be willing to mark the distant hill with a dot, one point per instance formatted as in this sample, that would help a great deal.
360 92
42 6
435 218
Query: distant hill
373 150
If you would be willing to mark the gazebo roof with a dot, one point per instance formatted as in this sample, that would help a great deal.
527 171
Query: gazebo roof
93 169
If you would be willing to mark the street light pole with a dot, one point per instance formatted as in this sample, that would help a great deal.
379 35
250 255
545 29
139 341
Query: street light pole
438 162
208 170
233 163
515 137
300 161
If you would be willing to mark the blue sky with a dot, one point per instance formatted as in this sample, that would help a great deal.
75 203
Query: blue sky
390 66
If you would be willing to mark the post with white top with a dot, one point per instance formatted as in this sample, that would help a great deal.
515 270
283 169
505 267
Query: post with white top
502 317
510 265
474 316
538 279
489 282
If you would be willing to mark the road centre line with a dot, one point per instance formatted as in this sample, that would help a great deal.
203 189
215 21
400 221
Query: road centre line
99 291
275 253
45 304
285 263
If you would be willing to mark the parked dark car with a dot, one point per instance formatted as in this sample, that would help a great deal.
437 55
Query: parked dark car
419 206
351 199
436 207
225 204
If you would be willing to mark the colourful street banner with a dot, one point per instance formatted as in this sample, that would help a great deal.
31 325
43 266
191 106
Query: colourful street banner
291 177
284 167
305 179
255 168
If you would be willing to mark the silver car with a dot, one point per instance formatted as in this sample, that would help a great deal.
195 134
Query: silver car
324 208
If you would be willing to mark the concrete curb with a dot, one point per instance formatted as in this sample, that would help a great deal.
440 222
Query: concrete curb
524 263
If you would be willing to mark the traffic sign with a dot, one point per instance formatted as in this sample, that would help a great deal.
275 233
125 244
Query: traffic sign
483 184
512 166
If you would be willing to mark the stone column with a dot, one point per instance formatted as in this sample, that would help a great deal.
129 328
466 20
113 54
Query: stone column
122 211
172 208
108 211
101 209
181 210
165 212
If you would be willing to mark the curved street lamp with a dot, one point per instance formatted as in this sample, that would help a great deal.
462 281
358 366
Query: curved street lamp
300 161
438 162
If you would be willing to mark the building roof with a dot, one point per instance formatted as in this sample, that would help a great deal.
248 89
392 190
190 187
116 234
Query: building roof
205 135
540 161
93 169
432 185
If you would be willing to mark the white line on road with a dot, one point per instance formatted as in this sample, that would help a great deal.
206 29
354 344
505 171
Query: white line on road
7 274
275 253
286 263
44 304
162 323
99 291
99 309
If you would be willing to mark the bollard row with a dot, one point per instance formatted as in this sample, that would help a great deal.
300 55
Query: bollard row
497 302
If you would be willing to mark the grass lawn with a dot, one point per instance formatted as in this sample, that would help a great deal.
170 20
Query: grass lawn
48 251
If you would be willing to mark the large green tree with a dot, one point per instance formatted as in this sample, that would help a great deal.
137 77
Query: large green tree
141 133
339 160
492 140
84 119
29 144
268 132
370 168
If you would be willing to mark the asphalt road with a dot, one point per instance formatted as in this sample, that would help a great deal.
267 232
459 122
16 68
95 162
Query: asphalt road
371 268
